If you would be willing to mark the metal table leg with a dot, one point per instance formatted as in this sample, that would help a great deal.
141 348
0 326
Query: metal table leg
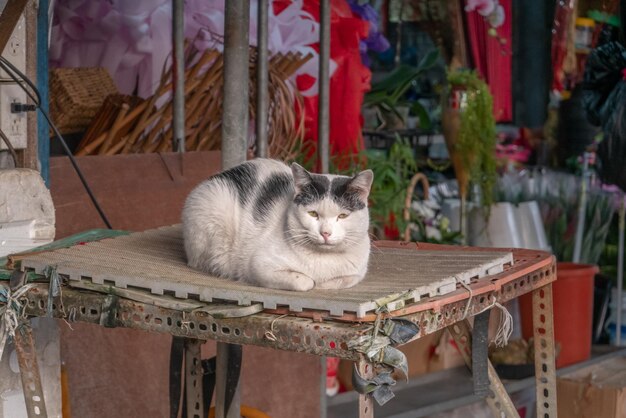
498 399
480 351
366 402
545 365
227 384
193 378
29 371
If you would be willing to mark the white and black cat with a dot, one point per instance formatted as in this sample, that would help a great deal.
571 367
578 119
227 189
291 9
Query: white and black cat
269 225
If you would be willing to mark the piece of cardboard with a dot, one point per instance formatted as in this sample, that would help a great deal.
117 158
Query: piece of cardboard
595 391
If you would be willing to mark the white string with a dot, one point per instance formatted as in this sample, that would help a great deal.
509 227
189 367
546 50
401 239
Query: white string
505 329
184 324
471 295
11 313
270 334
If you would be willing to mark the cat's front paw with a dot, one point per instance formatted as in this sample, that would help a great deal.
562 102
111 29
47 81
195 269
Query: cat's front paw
341 282
302 282
286 280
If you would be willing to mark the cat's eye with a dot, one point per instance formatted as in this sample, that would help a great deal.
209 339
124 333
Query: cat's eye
313 214
342 216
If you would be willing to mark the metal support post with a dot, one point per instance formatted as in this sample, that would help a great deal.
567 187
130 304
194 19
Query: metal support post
262 74
620 272
227 384
480 345
234 151
323 122
366 402
193 379
27 358
178 75
545 363
497 399
236 69
29 371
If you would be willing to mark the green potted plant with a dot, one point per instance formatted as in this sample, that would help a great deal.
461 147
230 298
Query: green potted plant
469 129
387 97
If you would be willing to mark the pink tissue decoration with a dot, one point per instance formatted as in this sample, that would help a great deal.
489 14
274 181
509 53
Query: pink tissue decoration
483 7
133 39
496 19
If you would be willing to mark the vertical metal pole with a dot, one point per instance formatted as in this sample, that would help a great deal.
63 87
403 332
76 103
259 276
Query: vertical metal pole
582 208
323 385
545 359
178 75
236 60
193 378
29 371
323 152
620 273
227 383
366 402
43 131
262 74
324 87
235 121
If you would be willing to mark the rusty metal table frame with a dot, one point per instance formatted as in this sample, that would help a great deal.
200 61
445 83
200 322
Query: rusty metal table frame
325 336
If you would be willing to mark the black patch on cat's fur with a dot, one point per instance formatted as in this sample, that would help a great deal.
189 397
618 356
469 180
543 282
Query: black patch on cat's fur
313 191
345 198
274 188
243 177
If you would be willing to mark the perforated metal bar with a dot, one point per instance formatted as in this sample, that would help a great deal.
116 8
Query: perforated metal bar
480 345
193 379
29 372
366 402
498 400
545 359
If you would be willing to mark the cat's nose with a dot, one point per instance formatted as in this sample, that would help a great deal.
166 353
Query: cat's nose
325 235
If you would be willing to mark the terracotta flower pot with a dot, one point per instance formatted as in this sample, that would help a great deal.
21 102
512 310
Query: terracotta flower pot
572 296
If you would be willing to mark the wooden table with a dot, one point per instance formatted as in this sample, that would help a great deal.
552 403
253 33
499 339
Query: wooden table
313 331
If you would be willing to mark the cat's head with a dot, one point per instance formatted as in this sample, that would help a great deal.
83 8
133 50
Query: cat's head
330 211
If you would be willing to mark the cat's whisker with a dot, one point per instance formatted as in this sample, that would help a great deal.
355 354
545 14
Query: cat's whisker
375 247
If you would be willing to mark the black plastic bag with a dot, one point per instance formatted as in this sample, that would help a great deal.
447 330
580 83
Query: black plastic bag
605 101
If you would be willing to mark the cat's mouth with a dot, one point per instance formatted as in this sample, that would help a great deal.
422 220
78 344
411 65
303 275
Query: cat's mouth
326 245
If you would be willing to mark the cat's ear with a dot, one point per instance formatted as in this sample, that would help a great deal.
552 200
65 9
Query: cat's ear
361 184
301 177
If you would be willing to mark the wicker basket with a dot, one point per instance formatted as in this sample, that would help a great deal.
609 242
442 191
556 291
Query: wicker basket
76 94
406 212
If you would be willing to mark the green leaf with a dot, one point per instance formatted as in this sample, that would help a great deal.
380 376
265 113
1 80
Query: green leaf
422 114
428 61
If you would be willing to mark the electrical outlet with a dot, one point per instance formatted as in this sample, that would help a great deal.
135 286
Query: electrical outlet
15 49
12 124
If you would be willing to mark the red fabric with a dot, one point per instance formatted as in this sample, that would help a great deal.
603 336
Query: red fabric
348 83
493 59
562 16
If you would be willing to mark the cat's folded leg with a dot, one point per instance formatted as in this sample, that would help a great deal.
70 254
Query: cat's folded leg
284 280
341 282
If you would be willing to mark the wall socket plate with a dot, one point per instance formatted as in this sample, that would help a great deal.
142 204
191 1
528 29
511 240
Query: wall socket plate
12 124
15 50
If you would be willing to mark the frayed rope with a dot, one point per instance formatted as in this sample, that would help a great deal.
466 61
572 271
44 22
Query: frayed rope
505 329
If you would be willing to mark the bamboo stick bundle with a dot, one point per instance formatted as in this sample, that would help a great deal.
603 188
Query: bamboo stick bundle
147 126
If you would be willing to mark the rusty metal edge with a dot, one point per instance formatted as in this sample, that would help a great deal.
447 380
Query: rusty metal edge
319 336
505 286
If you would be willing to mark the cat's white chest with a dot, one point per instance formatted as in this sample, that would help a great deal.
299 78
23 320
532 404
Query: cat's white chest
329 266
